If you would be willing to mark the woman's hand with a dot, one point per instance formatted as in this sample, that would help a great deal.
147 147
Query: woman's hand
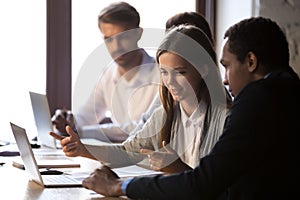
166 160
71 145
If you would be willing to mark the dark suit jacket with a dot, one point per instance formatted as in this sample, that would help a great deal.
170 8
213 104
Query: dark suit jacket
255 158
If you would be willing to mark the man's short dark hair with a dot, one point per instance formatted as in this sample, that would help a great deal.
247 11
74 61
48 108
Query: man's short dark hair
120 13
263 37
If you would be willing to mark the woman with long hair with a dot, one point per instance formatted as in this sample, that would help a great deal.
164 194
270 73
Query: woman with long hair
190 120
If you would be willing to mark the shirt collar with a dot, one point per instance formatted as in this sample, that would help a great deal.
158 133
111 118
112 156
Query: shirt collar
196 117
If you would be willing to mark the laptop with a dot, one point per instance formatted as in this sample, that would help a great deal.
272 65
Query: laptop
42 117
30 163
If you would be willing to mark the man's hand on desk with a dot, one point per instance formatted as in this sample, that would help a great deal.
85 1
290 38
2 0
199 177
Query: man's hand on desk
71 144
61 118
104 181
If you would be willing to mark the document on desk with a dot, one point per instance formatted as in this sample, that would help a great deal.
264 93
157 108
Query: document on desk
49 158
119 158
48 163
133 170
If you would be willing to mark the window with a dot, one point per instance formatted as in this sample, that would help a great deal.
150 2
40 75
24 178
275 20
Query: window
23 61
228 13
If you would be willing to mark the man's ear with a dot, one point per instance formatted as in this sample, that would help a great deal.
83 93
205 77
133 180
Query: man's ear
251 60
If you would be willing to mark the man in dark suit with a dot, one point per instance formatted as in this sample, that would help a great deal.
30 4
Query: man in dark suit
255 158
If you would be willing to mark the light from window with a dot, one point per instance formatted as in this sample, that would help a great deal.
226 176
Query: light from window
225 19
23 62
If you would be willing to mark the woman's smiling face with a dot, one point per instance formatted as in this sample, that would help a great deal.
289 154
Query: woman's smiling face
179 76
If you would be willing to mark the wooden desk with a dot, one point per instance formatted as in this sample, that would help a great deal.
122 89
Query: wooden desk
15 185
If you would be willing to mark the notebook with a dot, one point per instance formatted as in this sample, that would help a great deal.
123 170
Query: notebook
42 117
30 163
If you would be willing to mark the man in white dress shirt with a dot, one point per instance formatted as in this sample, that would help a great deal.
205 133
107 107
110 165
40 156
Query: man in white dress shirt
126 88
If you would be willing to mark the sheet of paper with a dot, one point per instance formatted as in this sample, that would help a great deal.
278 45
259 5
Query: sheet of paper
133 170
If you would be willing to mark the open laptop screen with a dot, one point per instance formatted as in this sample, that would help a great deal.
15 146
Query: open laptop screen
42 117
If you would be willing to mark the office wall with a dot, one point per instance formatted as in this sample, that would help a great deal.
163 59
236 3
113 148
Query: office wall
287 14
